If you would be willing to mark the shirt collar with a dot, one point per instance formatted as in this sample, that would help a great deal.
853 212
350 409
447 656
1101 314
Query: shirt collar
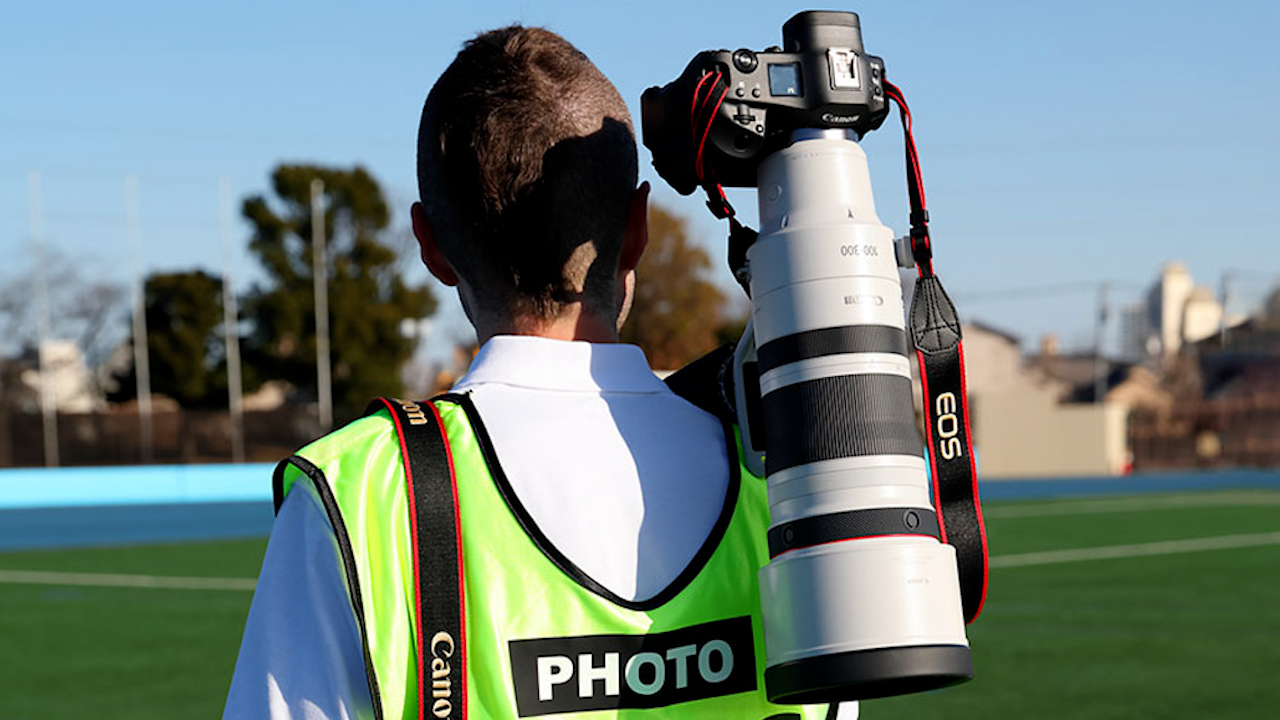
545 364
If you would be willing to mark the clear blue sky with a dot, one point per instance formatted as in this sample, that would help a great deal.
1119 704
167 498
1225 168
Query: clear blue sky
1063 144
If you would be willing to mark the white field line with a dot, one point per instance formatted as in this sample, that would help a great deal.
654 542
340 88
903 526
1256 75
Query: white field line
1111 552
1138 504
30 577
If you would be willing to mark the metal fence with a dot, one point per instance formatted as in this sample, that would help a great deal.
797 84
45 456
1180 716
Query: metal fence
178 436
1215 433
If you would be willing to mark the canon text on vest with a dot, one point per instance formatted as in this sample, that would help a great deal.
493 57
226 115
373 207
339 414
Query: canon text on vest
441 682
417 416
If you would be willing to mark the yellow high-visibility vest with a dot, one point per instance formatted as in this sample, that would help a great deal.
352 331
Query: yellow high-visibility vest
542 639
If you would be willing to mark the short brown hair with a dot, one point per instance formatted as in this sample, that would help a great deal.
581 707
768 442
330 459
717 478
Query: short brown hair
526 166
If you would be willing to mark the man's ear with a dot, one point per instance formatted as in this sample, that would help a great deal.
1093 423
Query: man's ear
637 233
431 255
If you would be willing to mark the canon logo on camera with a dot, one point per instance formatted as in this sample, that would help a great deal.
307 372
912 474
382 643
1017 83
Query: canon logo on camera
834 119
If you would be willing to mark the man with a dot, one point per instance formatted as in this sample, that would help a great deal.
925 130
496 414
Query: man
593 502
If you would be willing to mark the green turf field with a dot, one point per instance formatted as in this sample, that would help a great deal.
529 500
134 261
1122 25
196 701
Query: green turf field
1168 625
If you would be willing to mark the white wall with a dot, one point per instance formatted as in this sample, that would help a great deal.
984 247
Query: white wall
1026 433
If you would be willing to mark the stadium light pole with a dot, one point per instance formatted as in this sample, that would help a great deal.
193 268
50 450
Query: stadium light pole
1222 317
141 356
320 276
48 403
231 326
1099 338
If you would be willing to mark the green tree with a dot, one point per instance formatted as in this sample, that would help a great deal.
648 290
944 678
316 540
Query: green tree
677 309
368 297
185 351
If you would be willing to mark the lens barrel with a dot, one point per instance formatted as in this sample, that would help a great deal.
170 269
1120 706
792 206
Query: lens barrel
861 597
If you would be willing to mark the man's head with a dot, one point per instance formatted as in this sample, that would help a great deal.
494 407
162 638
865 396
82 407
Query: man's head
527 174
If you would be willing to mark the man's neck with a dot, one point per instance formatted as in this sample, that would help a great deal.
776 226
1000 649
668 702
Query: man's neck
573 324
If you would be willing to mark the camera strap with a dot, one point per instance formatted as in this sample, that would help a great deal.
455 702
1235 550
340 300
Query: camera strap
436 532
935 334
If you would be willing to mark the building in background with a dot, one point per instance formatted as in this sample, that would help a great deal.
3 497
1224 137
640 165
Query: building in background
1039 415
72 386
1191 388
1228 409
1173 313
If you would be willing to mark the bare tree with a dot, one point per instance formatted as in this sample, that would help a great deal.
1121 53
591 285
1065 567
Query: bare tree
89 312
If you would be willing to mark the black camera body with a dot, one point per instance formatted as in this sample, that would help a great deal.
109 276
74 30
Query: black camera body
820 78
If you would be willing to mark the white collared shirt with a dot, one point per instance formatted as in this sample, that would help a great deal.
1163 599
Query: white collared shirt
623 477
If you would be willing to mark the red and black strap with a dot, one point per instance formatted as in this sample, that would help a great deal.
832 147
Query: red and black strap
708 96
935 333
921 249
436 531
